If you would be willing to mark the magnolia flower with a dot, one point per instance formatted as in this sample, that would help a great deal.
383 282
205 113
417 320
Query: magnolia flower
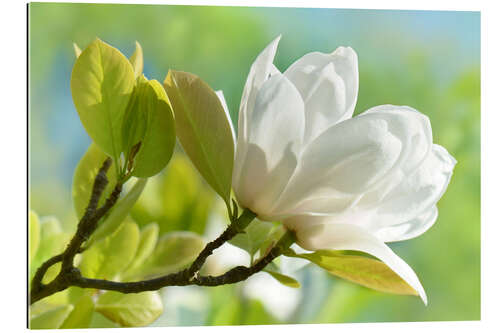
339 182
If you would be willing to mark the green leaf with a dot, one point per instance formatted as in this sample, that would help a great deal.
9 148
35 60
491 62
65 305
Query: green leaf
101 84
253 237
81 315
34 234
99 321
83 179
109 256
365 271
173 252
147 243
203 129
119 211
130 310
135 116
77 50
158 142
136 59
51 319
52 242
284 279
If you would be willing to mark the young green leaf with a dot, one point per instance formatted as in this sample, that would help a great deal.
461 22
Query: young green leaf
203 129
173 252
158 142
99 321
51 319
119 212
284 279
102 81
253 237
136 59
130 310
109 256
147 243
81 315
34 234
365 271
52 242
83 179
135 116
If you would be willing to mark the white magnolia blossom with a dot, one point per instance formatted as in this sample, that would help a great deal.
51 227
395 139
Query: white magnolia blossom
339 182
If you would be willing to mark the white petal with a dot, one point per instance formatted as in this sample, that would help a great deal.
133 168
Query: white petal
412 200
259 73
275 132
409 229
328 84
220 94
333 236
351 158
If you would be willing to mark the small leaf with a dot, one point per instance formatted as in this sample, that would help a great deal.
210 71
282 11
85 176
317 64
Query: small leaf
51 319
81 315
99 321
77 50
203 129
119 212
34 234
135 116
52 242
109 256
130 310
158 142
365 271
136 59
284 279
83 179
147 243
173 252
253 237
101 84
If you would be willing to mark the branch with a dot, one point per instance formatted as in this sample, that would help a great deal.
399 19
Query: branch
85 228
234 275
71 276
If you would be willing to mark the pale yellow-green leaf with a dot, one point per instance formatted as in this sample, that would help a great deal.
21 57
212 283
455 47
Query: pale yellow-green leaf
52 242
173 252
109 256
84 176
81 315
365 271
99 321
102 81
284 279
136 59
77 50
135 116
147 243
130 310
253 237
158 142
34 234
203 129
119 212
51 319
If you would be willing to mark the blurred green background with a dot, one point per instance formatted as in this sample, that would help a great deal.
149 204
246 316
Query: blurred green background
429 60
